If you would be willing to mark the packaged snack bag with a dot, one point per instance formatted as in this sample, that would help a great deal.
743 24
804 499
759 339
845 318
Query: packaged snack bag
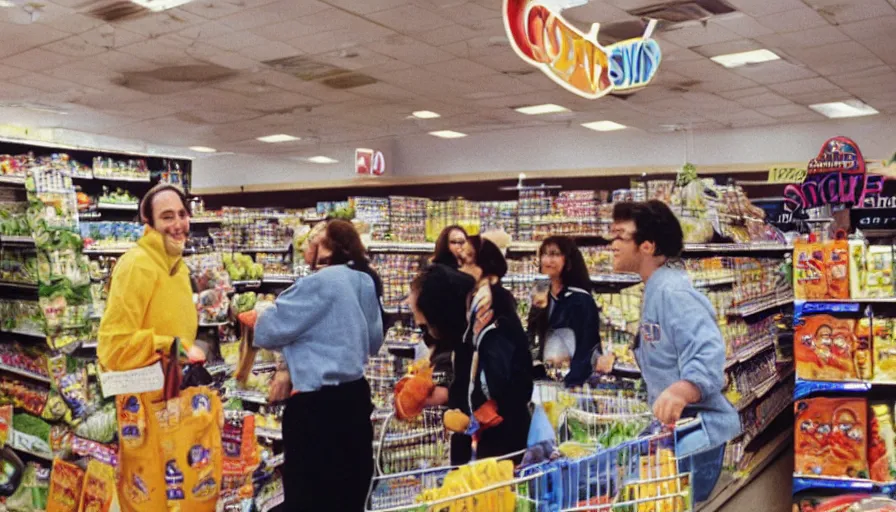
858 268
65 487
836 265
809 280
884 349
880 271
830 437
882 444
824 348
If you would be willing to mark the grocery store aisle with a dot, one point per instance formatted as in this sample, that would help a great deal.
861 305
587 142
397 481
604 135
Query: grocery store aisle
770 490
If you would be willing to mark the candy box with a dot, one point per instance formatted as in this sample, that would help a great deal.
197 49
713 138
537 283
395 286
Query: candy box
880 271
836 266
824 348
809 280
812 502
830 437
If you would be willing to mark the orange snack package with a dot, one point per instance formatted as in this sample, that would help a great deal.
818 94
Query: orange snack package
65 487
836 266
809 280
830 437
824 348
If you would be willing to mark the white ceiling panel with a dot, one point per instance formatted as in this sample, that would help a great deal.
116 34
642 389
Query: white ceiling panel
804 38
466 14
885 76
160 23
461 69
444 35
409 50
19 38
766 99
409 18
110 37
743 25
368 6
235 41
802 18
847 11
837 58
807 85
7 72
269 51
338 39
36 60
44 83
758 8
75 47
213 9
788 110
597 12
698 35
871 29
775 72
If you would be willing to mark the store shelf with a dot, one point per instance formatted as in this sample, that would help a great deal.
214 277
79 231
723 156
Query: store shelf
21 286
752 247
384 246
253 250
758 306
263 367
524 246
44 456
218 369
805 388
269 433
16 240
89 215
24 373
215 220
89 344
280 279
12 180
803 483
255 397
248 283
523 278
706 283
124 179
23 332
123 207
213 324
618 278
763 389
108 250
755 349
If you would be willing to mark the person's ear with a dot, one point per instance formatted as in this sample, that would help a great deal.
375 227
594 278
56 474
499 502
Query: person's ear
648 248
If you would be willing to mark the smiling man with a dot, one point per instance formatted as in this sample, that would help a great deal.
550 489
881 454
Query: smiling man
679 347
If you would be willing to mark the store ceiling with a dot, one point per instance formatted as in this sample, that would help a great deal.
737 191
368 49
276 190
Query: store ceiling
220 73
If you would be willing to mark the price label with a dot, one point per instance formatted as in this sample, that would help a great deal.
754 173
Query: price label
140 380
786 175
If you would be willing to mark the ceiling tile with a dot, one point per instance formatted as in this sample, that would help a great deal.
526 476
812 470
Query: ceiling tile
881 75
465 14
36 60
110 37
459 68
368 6
118 61
837 58
19 38
383 91
234 60
288 30
167 50
597 12
65 19
159 23
847 11
205 31
235 41
794 87
736 46
409 18
451 33
699 35
869 30
804 38
252 18
774 72
17 93
7 72
269 51
793 20
883 48
742 25
212 9
409 50
43 83
765 7
766 99
811 98
355 58
74 46
338 39
743 93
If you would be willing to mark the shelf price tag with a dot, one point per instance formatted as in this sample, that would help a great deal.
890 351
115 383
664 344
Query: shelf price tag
786 175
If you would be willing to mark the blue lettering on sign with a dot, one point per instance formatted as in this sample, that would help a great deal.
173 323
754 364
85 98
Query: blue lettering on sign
633 64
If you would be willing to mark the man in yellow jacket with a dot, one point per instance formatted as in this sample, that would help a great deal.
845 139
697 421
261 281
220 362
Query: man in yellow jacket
150 307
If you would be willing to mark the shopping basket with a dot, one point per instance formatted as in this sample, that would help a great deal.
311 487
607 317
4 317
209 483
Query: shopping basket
402 492
407 445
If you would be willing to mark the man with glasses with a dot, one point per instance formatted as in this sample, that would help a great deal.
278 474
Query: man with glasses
679 348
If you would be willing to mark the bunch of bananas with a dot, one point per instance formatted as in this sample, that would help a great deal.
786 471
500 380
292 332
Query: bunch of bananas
469 478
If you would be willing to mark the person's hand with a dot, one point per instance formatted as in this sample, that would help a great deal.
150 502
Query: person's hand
281 387
482 304
669 406
195 354
605 364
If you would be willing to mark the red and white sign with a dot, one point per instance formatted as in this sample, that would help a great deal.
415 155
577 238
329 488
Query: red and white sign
369 162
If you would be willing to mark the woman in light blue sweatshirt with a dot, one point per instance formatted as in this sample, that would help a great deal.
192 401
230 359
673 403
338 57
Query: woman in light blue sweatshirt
327 325
679 348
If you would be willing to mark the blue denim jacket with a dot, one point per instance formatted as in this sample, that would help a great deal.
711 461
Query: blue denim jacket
680 340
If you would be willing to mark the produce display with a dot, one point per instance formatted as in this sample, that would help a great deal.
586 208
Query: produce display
111 234
24 359
870 269
18 267
13 219
120 169
241 267
117 197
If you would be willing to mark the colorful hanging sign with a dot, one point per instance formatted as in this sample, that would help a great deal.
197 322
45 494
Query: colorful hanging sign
786 175
369 162
836 176
575 60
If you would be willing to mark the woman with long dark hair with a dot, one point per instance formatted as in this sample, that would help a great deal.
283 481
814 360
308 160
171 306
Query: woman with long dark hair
450 247
327 325
564 320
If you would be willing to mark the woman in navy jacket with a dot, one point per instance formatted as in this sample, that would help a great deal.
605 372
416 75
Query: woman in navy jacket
564 325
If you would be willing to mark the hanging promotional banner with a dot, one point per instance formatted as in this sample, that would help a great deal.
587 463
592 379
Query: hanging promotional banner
835 177
786 175
369 162
542 37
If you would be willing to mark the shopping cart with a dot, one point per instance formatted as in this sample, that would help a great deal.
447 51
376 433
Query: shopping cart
409 445
405 492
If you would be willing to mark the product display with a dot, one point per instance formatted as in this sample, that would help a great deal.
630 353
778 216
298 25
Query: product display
831 436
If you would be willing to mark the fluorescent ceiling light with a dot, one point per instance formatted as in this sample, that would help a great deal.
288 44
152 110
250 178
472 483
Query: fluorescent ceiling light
735 60
425 114
6 3
547 108
160 5
280 137
203 149
448 134
604 126
322 160
848 108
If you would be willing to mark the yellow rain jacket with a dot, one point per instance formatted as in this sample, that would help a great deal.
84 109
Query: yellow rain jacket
170 453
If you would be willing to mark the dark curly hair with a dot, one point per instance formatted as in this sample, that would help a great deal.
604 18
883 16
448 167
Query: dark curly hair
342 239
441 294
654 222
443 255
488 257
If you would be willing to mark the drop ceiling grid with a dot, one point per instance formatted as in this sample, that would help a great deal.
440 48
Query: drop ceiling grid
448 55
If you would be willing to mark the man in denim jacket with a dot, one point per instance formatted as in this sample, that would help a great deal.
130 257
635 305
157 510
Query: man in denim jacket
680 350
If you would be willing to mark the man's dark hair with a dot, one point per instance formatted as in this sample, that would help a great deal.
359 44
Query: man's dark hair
341 237
654 222
575 272
488 257
442 298
146 202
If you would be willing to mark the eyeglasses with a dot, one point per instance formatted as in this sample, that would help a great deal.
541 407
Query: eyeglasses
621 235
457 242
552 254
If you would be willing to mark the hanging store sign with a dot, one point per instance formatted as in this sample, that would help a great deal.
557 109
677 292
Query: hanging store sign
369 162
835 177
575 60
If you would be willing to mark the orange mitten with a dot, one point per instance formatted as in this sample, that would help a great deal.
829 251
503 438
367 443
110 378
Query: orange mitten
248 318
412 391
456 421
487 415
